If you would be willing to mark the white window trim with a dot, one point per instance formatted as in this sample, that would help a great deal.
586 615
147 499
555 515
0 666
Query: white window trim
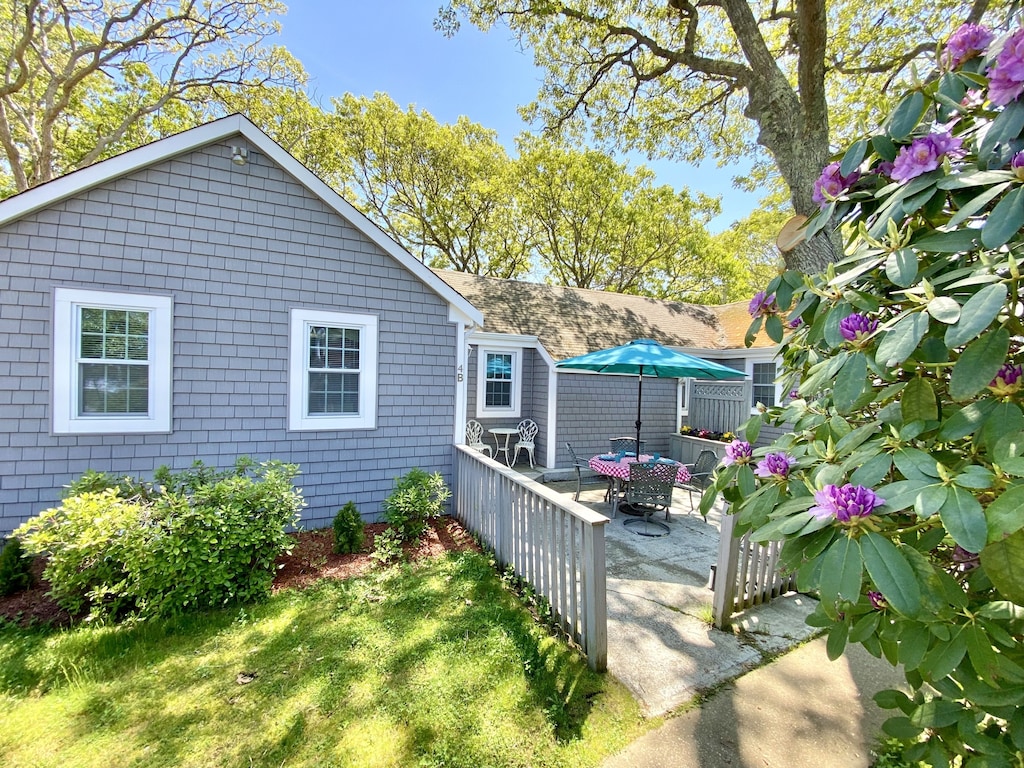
482 411
298 389
683 394
66 420
750 373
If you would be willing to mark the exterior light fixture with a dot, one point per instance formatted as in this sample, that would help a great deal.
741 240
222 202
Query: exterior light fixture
239 155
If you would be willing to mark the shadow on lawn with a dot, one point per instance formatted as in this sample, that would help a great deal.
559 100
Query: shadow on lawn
416 664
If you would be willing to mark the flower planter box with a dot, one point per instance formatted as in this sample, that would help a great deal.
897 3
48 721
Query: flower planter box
685 448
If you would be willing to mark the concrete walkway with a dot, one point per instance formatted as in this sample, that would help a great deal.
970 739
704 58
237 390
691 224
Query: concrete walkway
800 707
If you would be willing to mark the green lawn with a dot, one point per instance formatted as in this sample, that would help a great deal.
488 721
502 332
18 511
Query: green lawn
432 665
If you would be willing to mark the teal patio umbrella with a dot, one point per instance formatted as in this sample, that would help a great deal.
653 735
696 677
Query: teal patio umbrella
644 357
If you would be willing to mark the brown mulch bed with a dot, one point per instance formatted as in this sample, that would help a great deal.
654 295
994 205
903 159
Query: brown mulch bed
311 559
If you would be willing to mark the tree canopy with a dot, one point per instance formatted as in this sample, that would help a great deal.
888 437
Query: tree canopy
675 78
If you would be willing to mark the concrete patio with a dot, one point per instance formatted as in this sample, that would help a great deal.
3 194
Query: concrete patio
661 644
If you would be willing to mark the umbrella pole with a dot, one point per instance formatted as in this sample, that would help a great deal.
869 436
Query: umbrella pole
639 399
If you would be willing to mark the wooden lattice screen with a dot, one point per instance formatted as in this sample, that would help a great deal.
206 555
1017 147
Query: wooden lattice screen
720 406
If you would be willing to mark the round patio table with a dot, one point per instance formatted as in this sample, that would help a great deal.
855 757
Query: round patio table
618 471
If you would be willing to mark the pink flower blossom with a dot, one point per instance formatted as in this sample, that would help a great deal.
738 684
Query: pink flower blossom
966 43
845 503
775 465
831 184
924 154
738 452
1007 381
762 305
1006 76
856 327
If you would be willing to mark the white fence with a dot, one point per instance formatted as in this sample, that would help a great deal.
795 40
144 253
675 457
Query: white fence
720 406
554 543
747 574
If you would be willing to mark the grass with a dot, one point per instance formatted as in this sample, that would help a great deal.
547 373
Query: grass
428 665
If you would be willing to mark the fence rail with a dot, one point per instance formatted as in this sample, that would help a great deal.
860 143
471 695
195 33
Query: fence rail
747 574
551 541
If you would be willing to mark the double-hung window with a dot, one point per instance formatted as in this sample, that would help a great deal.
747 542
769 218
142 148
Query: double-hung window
333 371
112 362
499 382
763 388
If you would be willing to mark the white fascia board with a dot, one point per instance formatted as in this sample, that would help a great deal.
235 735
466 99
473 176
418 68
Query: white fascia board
760 353
233 125
504 339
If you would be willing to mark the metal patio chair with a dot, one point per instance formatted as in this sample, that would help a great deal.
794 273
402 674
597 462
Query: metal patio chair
475 437
627 444
701 472
527 434
650 491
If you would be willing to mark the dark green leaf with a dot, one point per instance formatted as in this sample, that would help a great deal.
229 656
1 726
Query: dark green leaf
906 116
964 519
943 658
832 333
977 313
892 699
955 241
903 493
1006 127
865 626
915 639
901 728
773 327
853 157
884 147
1005 220
915 463
891 573
873 471
977 203
979 363
1003 561
841 572
836 642
1002 426
975 477
851 382
900 341
944 309
1005 515
936 713
983 657
901 267
918 401
929 500
966 421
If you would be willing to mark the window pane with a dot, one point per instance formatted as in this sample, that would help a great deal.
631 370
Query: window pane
113 389
499 366
334 348
333 393
498 394
763 386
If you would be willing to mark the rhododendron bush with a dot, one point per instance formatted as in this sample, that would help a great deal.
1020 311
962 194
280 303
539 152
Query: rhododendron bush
899 492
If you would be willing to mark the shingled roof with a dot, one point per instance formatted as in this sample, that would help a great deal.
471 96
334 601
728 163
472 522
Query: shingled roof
573 321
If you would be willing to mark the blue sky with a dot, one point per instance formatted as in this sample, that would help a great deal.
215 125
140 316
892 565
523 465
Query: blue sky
366 46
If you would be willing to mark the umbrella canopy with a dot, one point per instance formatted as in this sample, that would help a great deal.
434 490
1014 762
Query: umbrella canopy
644 357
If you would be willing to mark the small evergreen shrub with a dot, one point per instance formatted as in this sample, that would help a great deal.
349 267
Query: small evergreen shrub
348 530
197 539
417 498
14 564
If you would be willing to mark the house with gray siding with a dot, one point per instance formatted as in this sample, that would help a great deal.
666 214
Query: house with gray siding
206 297
529 327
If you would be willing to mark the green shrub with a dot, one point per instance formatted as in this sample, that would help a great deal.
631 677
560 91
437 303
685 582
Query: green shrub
348 529
387 547
417 498
14 564
204 539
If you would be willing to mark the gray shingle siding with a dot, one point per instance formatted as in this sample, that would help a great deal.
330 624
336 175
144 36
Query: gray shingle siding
594 408
237 248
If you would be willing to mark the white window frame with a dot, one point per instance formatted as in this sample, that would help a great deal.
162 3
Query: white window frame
67 304
299 418
753 384
515 409
683 395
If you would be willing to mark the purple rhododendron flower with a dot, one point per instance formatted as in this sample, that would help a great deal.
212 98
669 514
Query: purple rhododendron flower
1006 76
796 322
762 304
966 561
775 465
878 601
856 326
924 154
845 503
831 184
966 43
738 452
1017 165
1007 381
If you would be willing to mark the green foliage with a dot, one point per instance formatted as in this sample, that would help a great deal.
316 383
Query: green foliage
348 529
417 498
387 548
204 538
923 409
14 565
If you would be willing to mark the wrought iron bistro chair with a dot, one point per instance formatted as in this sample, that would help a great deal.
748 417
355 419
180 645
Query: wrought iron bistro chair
627 444
579 464
650 491
475 437
700 474
527 432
